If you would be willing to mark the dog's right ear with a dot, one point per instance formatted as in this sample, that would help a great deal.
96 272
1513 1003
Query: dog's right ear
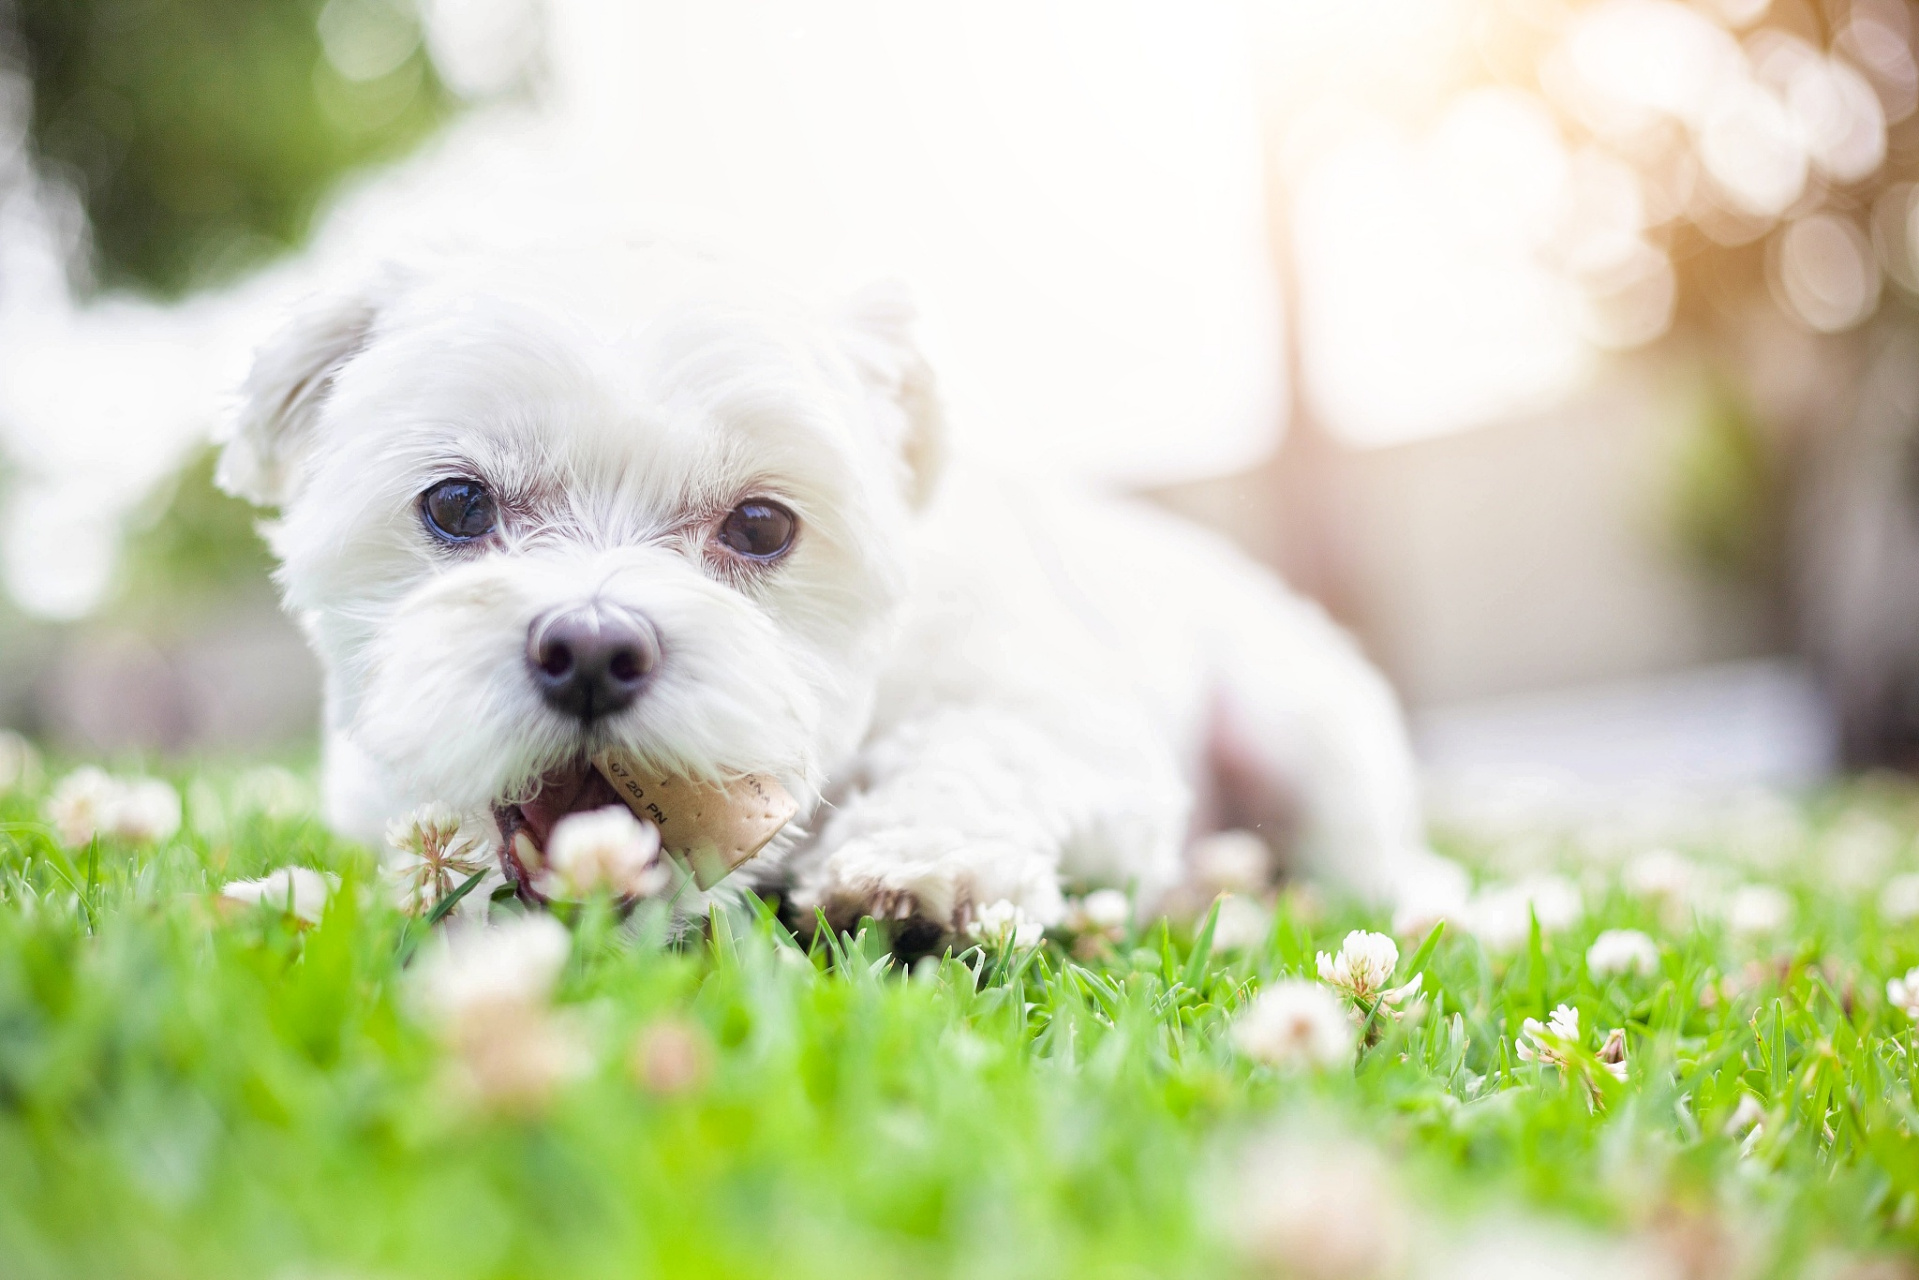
877 323
283 393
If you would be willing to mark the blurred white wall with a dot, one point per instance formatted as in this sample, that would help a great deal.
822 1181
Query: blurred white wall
1540 551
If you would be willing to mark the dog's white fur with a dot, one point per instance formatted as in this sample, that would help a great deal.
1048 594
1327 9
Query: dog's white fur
977 692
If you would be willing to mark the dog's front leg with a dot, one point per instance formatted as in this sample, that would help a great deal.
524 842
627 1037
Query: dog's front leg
973 806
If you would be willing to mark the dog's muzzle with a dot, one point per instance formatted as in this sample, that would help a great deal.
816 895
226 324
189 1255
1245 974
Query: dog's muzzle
591 660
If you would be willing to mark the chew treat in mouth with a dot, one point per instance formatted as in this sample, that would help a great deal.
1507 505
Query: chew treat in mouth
711 828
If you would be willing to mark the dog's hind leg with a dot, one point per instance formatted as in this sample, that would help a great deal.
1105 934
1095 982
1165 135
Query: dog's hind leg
1306 736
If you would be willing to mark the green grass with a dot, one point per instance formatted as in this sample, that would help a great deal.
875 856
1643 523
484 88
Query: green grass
188 1092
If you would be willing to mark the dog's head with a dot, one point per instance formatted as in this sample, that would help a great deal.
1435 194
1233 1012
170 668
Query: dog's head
532 511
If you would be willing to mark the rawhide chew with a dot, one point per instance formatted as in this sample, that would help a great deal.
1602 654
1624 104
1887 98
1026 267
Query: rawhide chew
712 829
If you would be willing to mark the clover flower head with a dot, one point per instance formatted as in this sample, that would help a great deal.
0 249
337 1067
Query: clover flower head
1296 1023
1903 994
1502 916
1546 1043
1553 1044
1437 891
1745 1117
671 1057
81 805
147 810
1005 924
1363 967
19 762
1317 1205
89 802
1620 951
1899 899
1103 911
434 855
1612 1054
487 990
1242 923
300 892
1231 862
1659 873
606 849
515 962
1755 910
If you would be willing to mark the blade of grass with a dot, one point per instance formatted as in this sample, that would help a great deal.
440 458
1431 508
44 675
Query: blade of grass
1417 964
410 937
452 900
1202 952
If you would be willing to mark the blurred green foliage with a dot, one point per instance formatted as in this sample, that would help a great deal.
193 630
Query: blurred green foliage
193 550
203 133
1727 501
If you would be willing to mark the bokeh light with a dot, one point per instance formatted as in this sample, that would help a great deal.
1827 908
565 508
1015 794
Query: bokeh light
1823 271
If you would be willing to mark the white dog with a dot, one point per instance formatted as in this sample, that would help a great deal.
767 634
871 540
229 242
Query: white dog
531 510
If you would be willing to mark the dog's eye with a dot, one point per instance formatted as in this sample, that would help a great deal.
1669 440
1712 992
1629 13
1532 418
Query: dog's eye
458 510
759 530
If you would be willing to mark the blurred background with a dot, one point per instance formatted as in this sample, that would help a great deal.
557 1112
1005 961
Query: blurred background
1567 351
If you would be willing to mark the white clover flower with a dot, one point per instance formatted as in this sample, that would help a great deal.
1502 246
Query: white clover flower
19 762
1555 900
1231 862
1547 1043
1416 918
670 1057
513 1058
485 989
1618 951
146 809
1551 1044
1103 911
1005 924
1430 889
1242 923
1501 917
1899 899
301 892
514 962
1363 967
1296 1023
1660 873
433 856
1903 994
1755 910
88 803
82 804
1745 1117
1107 908
1317 1206
606 849
1505 1247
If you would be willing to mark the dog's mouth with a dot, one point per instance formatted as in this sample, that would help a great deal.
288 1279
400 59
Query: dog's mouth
526 826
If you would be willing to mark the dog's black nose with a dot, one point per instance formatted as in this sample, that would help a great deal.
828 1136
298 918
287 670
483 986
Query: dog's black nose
590 661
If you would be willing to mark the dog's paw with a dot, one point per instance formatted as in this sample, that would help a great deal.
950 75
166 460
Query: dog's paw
927 882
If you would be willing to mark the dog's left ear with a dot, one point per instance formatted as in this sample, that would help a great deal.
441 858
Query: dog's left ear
878 326
281 398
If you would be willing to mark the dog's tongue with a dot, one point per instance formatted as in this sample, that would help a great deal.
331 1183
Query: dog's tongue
571 790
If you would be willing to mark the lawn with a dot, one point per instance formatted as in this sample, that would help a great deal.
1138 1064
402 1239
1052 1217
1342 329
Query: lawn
196 1087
